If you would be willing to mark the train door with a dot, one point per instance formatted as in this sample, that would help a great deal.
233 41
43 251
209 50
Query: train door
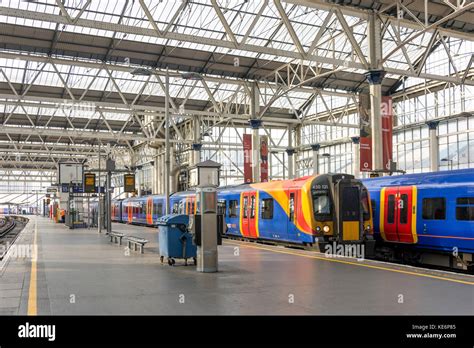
406 214
390 214
248 212
350 214
293 200
130 212
149 211
399 214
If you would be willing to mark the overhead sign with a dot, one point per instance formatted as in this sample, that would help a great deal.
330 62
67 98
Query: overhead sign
247 157
70 173
89 183
129 182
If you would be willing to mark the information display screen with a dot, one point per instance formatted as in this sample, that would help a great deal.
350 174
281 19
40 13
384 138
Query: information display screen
89 183
129 182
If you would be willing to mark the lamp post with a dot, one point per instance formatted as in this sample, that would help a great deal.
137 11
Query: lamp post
450 162
37 191
186 76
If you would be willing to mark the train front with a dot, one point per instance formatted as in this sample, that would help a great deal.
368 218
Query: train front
342 216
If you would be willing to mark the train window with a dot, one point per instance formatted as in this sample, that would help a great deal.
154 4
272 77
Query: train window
175 208
292 207
434 208
365 204
403 205
233 204
391 209
245 206
158 209
267 208
374 207
221 207
181 207
321 204
252 207
465 208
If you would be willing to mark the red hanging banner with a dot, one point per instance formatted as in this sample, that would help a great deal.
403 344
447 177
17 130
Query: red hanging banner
365 134
247 157
263 158
387 127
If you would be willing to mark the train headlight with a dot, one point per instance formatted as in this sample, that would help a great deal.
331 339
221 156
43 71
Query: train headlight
318 228
326 228
368 228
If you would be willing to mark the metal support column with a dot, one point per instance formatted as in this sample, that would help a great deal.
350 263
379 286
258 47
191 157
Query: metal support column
109 201
356 156
434 147
255 123
167 143
196 146
290 152
196 153
99 208
375 84
315 148
375 76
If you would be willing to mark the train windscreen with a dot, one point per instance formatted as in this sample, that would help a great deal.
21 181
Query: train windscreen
322 202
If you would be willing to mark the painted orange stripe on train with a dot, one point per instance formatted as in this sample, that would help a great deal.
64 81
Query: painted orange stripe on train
279 190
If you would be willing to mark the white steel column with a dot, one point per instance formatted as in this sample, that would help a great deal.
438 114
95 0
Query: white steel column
356 156
434 147
315 148
290 152
167 143
255 123
375 76
197 145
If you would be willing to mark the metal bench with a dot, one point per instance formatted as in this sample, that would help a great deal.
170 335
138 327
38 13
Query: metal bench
136 242
116 237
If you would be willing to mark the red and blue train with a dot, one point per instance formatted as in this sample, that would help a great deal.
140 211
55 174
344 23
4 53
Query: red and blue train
313 211
425 218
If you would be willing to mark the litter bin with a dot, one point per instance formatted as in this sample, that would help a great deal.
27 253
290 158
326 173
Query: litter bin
175 242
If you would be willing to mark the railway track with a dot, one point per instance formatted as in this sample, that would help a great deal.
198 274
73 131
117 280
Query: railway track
10 228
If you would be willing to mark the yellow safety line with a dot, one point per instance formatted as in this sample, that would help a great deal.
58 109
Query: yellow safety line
32 303
354 263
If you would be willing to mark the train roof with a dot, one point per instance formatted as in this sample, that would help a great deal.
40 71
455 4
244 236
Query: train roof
276 184
446 177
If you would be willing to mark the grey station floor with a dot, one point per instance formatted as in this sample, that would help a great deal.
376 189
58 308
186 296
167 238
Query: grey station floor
81 272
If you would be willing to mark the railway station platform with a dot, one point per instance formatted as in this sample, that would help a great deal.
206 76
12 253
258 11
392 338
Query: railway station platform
79 272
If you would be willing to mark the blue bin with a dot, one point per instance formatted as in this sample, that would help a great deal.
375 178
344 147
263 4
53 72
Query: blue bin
175 242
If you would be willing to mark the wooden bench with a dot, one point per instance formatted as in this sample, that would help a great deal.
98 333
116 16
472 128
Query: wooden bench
136 242
116 237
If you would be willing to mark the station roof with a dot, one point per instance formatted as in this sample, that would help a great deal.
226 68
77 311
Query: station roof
81 52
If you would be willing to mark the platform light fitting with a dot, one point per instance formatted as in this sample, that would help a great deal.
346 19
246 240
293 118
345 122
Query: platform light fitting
141 72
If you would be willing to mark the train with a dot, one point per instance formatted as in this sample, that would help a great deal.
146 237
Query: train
419 219
425 218
317 211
